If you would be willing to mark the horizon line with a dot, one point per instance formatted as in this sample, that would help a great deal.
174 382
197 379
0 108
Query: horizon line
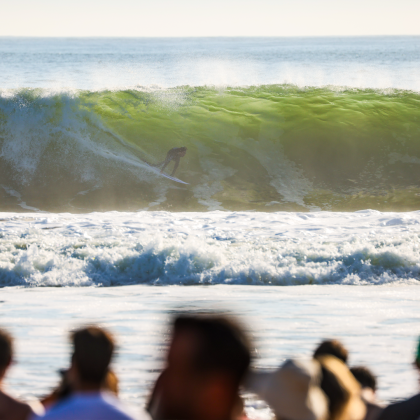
210 36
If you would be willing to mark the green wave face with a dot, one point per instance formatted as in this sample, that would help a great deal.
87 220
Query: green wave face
265 148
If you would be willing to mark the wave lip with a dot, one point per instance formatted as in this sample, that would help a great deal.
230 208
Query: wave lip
159 248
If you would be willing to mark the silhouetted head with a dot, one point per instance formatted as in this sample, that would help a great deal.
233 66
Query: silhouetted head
207 359
364 376
332 348
6 351
182 151
93 351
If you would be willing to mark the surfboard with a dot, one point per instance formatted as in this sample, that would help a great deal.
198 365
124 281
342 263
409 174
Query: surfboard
172 178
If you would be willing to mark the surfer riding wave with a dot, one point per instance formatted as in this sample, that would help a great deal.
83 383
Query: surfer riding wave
174 154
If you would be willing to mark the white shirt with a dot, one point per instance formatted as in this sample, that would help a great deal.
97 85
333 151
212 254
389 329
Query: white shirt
87 406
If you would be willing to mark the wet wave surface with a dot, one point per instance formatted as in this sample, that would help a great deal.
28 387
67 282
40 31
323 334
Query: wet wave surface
264 148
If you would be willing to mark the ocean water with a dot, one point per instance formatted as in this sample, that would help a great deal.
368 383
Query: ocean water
270 124
302 170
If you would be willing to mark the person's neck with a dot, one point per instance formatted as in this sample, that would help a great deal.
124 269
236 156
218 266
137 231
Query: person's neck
87 387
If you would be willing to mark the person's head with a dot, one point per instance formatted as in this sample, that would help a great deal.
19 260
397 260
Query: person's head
365 377
207 359
6 352
333 348
93 348
182 151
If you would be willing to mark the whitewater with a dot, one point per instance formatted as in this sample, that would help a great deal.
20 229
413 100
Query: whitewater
161 248
302 213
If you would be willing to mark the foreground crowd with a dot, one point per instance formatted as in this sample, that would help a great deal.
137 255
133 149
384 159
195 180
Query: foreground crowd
207 365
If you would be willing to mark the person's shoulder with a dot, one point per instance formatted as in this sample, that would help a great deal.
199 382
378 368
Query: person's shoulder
59 410
406 409
13 408
416 398
413 401
120 412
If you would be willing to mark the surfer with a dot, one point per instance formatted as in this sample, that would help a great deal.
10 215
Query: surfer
174 154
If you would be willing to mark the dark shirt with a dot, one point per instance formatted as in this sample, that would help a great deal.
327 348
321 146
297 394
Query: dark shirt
173 152
404 410
373 411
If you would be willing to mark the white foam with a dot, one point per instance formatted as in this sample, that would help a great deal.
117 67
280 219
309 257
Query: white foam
282 248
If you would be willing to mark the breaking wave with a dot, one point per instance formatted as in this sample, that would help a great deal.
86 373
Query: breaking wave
263 148
163 248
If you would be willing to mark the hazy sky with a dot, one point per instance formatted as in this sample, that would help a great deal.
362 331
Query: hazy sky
208 18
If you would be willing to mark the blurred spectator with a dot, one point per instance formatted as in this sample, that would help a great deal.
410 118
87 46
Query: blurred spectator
292 391
207 359
367 381
342 390
64 388
332 348
10 408
93 351
407 409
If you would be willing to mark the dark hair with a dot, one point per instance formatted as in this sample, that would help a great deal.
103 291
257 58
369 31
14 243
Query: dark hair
364 376
222 344
336 394
332 348
183 149
6 348
93 350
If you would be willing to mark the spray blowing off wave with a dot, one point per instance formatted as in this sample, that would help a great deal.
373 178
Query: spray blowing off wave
263 148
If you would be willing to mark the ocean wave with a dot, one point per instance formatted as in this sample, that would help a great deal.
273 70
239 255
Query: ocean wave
161 248
266 148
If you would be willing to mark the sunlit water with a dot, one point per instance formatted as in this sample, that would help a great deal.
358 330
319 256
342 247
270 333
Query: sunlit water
353 276
99 63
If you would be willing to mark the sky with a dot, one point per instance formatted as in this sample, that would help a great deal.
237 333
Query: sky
175 18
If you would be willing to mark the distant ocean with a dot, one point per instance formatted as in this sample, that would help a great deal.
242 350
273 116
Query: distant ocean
303 169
